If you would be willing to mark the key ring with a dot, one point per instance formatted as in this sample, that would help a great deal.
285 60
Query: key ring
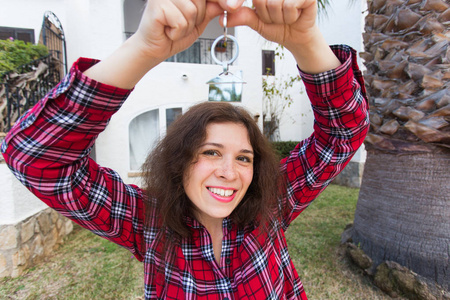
225 36
225 28
225 64
225 86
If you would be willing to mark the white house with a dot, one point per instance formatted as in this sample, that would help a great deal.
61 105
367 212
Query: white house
94 28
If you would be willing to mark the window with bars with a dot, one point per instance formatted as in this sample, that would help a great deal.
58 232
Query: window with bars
268 62
23 34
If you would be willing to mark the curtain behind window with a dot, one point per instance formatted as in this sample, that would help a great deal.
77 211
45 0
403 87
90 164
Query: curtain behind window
144 132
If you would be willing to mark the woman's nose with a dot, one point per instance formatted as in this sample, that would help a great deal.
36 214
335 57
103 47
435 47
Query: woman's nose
226 169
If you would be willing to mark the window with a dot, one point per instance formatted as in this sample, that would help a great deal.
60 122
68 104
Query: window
190 55
93 153
200 52
268 62
23 34
145 130
172 114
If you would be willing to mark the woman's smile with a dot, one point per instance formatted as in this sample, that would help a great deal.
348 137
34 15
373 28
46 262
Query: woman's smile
222 194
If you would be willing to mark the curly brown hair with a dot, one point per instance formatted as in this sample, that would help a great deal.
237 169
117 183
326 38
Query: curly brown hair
167 164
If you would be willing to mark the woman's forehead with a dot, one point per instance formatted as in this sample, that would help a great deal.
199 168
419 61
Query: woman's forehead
229 133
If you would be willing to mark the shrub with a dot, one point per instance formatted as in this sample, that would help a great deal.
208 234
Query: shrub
15 53
283 148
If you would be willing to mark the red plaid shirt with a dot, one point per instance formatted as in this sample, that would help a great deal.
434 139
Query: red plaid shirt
48 151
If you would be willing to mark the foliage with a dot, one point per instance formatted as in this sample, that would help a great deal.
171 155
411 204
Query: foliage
284 148
323 5
276 97
14 53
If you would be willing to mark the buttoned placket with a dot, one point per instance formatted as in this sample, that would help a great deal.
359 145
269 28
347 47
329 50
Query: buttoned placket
227 252
223 270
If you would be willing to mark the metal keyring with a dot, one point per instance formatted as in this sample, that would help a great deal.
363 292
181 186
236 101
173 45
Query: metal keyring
224 63
225 23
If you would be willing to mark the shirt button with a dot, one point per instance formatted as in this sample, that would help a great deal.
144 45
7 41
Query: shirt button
229 226
226 298
227 260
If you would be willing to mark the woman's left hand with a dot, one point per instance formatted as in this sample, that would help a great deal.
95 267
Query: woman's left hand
287 22
291 23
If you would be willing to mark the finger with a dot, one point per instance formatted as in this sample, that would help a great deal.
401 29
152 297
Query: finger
248 17
212 10
201 9
308 11
244 16
175 22
275 10
291 12
261 11
228 5
189 11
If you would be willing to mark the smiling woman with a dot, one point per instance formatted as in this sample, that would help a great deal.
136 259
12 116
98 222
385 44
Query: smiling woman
210 221
212 149
219 178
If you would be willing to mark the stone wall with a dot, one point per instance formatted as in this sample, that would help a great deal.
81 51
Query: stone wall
28 242
351 175
391 277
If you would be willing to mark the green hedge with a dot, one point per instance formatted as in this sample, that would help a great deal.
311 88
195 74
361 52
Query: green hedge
283 148
15 53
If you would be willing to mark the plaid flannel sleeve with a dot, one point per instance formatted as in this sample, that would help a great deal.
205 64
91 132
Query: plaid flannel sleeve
340 107
48 151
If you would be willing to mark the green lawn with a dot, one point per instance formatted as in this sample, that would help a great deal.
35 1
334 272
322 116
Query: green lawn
89 267
314 245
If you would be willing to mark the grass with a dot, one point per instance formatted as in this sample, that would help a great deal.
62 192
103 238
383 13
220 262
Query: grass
85 267
89 267
314 245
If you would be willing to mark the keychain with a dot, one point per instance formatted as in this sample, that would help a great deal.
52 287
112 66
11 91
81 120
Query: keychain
226 86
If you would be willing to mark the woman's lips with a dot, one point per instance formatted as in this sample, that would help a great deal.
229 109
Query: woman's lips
222 194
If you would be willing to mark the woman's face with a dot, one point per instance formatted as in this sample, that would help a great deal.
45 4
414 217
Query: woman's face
219 177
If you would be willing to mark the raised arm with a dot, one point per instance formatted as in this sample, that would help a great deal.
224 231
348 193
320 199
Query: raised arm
335 87
48 148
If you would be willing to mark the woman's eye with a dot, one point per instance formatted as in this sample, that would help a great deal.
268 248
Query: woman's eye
244 159
210 153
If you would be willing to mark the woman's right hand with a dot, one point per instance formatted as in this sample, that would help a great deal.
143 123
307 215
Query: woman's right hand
171 26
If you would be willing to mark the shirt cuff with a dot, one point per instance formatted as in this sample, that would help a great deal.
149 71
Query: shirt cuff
326 84
78 94
85 93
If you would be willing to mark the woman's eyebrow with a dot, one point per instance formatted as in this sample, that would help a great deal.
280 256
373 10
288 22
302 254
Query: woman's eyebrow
247 151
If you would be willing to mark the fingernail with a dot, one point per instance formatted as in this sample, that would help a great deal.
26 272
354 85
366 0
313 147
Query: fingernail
233 3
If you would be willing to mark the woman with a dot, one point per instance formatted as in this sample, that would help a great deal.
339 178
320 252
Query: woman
211 221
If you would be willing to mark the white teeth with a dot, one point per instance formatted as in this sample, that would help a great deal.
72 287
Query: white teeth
221 192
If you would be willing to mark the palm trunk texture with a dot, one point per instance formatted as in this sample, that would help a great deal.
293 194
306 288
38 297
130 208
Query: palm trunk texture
403 211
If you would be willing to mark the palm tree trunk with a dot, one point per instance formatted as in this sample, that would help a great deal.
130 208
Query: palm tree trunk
402 212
